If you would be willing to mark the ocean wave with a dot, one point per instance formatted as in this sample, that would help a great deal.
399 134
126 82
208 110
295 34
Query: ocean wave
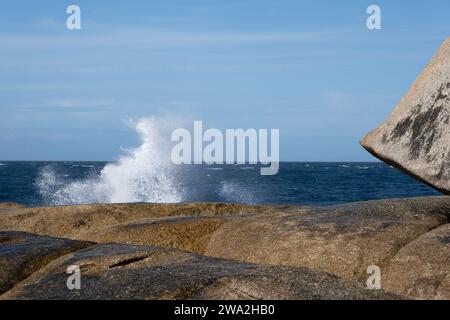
234 192
144 174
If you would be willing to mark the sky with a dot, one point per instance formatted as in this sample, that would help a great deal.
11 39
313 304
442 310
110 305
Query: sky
309 68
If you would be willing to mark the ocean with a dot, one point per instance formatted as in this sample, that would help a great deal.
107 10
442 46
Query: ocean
301 183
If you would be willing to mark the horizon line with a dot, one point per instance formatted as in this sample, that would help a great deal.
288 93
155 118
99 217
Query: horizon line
286 161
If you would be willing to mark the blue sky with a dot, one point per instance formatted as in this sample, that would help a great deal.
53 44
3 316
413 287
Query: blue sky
310 68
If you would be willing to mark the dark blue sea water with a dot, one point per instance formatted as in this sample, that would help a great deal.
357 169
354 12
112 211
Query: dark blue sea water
55 183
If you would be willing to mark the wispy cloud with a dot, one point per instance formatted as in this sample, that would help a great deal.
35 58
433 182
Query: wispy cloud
65 104
80 103
108 36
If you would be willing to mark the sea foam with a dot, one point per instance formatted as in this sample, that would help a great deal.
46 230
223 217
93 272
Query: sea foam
235 192
143 174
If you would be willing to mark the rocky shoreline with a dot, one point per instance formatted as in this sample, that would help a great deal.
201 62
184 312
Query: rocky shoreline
227 251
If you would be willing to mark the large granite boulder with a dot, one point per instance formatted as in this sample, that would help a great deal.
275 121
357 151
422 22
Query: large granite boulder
117 271
415 137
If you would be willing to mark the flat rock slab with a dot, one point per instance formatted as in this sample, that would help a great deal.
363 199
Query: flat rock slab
344 240
117 271
182 226
415 137
421 269
22 253
191 233
8 206
68 221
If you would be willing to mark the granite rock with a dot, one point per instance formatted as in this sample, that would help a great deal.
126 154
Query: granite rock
117 271
415 137
22 253
343 240
421 269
